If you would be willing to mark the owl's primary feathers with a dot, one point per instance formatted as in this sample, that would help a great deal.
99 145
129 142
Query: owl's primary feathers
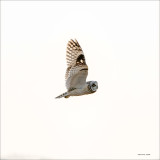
77 72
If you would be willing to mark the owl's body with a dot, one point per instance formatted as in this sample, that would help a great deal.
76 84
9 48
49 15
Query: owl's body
77 72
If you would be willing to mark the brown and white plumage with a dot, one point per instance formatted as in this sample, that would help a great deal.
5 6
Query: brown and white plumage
77 71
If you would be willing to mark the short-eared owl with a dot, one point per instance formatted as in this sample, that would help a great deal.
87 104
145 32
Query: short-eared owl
77 72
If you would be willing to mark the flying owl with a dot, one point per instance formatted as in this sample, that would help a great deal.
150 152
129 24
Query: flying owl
77 72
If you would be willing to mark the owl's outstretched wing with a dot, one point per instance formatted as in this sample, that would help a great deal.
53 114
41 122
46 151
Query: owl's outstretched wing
77 70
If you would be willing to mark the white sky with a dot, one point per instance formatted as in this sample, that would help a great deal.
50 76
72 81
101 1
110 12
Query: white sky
120 42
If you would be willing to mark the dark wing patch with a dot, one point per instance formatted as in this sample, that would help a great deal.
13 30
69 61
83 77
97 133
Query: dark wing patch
81 60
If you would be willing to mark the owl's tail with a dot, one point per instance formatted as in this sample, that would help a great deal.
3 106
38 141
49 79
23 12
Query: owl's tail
65 95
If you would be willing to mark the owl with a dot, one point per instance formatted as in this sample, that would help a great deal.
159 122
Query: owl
76 73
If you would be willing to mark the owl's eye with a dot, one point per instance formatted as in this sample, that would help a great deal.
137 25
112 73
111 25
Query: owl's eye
93 85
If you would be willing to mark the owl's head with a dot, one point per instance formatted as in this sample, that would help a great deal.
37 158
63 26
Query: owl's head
92 86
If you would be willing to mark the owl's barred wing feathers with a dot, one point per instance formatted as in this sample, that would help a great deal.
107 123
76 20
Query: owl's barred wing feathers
72 52
77 70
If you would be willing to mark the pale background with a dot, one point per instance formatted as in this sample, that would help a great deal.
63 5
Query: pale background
120 42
